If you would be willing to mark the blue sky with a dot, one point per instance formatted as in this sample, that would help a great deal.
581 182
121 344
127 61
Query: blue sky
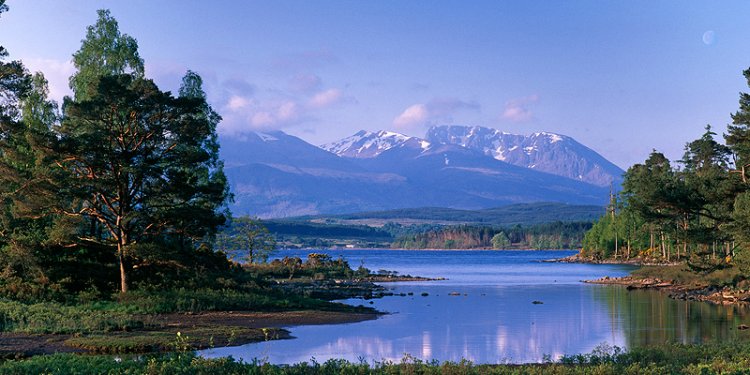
622 77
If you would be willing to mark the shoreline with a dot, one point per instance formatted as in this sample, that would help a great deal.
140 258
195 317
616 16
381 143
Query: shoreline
685 292
431 249
200 331
576 258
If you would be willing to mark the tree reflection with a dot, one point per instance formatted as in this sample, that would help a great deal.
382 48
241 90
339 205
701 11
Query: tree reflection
649 317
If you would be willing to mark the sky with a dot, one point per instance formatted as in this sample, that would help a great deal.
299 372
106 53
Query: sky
621 77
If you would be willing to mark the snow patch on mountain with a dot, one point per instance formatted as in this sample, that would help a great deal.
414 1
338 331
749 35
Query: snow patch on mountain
267 137
543 151
365 144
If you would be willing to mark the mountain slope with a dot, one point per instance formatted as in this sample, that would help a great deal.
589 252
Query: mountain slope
278 175
366 144
547 152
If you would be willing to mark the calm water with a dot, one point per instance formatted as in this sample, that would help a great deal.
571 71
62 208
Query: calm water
493 320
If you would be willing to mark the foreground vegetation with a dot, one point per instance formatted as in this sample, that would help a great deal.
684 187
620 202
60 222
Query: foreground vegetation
719 358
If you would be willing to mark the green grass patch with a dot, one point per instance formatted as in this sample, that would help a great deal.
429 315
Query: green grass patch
183 300
719 358
185 339
51 317
137 310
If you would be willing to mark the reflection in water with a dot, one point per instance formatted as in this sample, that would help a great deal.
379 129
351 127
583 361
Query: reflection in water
493 319
648 317
487 325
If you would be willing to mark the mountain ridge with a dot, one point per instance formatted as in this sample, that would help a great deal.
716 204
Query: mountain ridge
544 151
275 175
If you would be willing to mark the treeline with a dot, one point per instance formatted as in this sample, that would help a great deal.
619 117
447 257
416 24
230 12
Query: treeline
696 209
522 213
557 235
292 228
118 188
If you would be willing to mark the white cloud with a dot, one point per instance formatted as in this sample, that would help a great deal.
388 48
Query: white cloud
57 73
241 115
517 110
246 108
416 115
287 111
434 111
325 98
238 102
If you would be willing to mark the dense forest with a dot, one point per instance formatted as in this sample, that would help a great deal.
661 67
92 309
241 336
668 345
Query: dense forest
696 209
556 235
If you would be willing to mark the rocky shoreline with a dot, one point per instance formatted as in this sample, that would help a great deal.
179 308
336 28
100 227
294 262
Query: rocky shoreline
337 289
577 258
694 292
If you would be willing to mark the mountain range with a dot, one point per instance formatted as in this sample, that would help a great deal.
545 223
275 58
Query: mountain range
275 174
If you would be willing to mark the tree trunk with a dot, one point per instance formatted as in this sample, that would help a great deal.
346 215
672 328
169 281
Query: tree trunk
628 256
123 273
122 242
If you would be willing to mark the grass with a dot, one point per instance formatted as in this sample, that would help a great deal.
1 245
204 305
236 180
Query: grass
716 358
171 340
51 317
138 310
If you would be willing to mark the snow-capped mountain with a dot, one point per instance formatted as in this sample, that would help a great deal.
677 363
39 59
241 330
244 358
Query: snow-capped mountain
366 144
278 175
546 152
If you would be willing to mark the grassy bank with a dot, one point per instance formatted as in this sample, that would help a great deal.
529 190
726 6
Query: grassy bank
721 358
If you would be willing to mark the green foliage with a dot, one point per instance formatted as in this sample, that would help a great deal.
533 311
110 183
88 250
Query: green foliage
50 317
695 214
716 358
188 339
126 180
185 300
249 236
555 235
104 51
320 265
500 241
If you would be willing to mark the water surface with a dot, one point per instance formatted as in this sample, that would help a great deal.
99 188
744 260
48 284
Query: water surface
494 319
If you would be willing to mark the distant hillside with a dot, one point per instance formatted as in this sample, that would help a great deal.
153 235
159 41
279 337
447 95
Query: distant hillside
527 226
523 214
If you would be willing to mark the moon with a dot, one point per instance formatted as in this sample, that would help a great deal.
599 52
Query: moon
709 37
